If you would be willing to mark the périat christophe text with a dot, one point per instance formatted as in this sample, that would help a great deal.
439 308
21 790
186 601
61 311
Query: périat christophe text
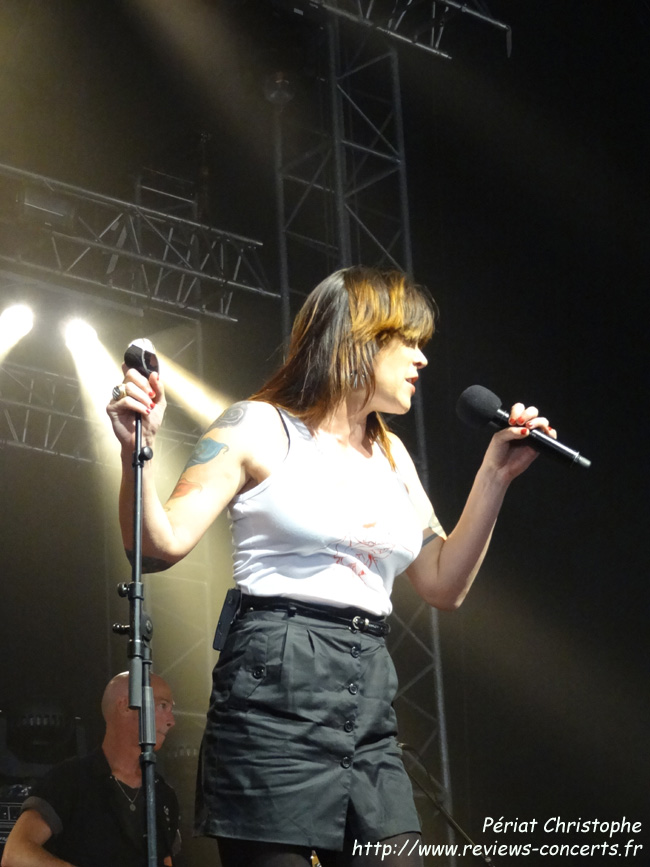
550 837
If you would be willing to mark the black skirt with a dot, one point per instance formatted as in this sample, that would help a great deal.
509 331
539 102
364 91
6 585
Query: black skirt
301 737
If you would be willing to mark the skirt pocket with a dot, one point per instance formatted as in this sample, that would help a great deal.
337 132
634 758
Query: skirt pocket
253 669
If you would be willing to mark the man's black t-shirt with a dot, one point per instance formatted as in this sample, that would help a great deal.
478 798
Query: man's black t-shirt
96 820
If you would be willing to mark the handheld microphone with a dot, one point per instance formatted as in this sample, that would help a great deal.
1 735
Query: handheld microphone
141 355
478 406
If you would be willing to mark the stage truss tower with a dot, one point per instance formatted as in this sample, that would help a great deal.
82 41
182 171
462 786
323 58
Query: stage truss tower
341 193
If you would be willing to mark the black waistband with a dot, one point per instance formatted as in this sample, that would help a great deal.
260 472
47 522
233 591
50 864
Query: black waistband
356 619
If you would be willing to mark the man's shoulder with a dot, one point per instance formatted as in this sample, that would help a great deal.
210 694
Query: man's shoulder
54 793
162 783
72 773
93 763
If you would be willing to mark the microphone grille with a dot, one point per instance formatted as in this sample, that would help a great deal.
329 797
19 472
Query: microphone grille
141 354
477 406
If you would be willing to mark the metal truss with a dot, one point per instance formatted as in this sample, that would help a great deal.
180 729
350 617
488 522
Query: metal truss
100 243
414 645
70 244
340 166
60 236
417 23
340 163
44 411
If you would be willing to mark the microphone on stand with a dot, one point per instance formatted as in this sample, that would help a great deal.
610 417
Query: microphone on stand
479 407
141 355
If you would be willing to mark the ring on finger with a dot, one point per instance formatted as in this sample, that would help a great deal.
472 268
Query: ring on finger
119 391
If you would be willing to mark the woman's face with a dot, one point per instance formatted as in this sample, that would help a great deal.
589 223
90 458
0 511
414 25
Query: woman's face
396 368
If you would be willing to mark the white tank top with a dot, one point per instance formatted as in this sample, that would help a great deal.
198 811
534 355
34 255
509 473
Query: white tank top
315 532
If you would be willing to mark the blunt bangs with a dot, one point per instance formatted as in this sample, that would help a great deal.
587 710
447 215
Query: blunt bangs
384 304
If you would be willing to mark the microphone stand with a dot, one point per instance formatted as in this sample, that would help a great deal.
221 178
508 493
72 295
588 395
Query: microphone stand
140 630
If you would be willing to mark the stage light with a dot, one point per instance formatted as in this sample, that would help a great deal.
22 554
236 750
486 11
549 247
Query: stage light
200 402
17 319
15 322
279 89
79 335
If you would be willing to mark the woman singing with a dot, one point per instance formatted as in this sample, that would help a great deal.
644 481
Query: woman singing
299 751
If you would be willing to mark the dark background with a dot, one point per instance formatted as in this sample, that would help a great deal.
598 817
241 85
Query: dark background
528 190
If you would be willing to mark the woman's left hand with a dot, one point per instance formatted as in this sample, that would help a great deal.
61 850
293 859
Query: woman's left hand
508 453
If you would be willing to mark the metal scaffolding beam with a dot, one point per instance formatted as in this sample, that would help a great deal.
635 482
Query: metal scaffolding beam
137 259
95 242
44 411
419 24
340 173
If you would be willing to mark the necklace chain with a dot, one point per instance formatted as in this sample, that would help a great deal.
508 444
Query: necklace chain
124 792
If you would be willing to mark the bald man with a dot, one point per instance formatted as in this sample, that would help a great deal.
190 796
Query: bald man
90 812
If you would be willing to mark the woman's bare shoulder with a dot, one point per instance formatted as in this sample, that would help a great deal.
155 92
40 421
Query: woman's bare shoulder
248 421
244 413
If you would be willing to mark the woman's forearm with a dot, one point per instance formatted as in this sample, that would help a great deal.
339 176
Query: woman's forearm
158 540
462 553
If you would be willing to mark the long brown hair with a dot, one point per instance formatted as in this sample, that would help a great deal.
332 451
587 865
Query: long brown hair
340 328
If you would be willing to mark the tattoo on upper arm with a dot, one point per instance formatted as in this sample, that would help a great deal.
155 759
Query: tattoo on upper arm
206 449
150 564
230 417
182 489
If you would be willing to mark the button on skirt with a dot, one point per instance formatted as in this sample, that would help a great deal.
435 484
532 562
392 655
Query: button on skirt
301 737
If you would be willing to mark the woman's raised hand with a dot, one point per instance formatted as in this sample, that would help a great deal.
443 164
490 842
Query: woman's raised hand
508 454
137 395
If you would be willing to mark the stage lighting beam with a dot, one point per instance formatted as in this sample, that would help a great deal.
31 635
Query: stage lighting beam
80 336
203 404
15 322
97 372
